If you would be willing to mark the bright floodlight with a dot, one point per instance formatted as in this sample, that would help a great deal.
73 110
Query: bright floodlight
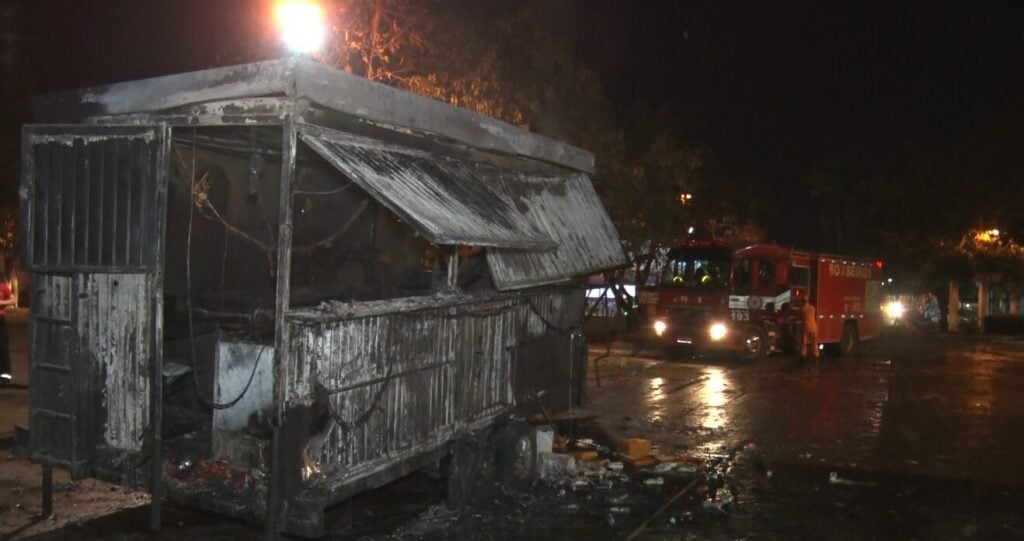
894 309
302 26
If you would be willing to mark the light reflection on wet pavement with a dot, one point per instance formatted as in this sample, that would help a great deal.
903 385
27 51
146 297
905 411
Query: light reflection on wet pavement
938 405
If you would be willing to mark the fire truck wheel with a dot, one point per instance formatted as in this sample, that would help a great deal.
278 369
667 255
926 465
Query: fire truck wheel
515 454
672 353
849 344
755 343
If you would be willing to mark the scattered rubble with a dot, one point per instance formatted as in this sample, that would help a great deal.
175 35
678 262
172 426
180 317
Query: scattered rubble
833 478
605 480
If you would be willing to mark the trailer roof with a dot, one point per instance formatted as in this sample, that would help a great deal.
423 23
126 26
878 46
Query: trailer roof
538 229
447 201
303 79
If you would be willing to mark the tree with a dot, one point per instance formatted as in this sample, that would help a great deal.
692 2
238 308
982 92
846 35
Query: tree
992 256
493 58
647 173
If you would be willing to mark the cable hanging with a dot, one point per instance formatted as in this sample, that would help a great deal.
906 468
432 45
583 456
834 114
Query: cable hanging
208 402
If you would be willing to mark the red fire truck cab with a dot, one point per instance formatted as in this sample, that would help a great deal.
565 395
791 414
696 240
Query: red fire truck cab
713 297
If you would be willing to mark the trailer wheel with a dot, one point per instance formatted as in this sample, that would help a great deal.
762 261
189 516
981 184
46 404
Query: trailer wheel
755 343
515 454
849 343
470 470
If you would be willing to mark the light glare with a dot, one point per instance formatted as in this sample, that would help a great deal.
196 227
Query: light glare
302 26
895 309
717 331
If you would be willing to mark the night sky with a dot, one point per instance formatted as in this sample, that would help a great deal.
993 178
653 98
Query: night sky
774 88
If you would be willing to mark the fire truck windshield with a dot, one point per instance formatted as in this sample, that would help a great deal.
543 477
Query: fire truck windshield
697 268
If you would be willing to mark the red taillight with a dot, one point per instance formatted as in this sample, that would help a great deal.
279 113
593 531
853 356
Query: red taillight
878 264
797 293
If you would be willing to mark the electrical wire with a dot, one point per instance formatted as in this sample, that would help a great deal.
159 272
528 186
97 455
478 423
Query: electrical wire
547 323
210 403
364 417
325 192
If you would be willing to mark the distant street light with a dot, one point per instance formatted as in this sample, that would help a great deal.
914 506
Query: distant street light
685 198
302 25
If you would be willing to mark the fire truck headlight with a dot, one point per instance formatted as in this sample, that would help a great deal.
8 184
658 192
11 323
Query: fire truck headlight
717 331
894 309
660 327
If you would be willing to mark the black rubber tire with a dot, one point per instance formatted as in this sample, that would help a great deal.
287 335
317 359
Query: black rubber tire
673 353
470 470
515 454
755 343
849 343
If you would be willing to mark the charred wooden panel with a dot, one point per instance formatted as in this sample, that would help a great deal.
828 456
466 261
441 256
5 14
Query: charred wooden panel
484 370
59 435
51 297
447 201
567 210
399 382
549 356
387 381
114 322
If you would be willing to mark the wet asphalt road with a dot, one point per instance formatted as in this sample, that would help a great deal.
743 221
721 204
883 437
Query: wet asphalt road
917 404
923 431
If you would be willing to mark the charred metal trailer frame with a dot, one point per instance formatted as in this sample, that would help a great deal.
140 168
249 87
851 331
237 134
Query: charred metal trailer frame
265 288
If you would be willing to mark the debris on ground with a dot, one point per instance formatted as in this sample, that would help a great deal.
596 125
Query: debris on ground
545 439
435 519
584 455
833 478
634 447
555 467
721 499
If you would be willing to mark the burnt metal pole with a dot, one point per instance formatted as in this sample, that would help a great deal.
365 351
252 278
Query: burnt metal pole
281 367
47 490
453 267
156 329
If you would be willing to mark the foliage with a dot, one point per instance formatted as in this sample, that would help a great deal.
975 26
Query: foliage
842 199
913 210
643 178
993 257
492 58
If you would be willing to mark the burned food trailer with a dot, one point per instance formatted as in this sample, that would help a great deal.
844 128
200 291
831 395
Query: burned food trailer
265 288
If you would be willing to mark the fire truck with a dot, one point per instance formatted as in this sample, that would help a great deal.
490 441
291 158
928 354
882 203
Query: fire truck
711 296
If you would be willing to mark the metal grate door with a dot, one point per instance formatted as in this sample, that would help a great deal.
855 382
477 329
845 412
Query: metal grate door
93 200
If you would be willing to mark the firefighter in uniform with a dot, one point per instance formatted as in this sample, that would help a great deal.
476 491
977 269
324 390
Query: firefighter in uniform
810 339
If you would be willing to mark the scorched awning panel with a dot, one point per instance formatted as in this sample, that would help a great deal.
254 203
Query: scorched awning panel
568 210
447 201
